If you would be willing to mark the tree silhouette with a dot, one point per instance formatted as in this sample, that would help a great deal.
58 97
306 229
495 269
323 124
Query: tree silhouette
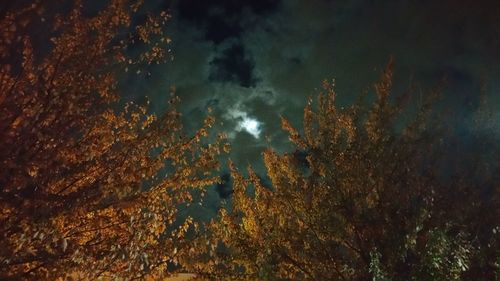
364 196
89 188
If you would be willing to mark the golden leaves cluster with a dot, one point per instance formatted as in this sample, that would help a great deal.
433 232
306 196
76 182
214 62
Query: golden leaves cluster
88 188
356 200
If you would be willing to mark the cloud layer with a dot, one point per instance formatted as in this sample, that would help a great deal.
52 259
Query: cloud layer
252 61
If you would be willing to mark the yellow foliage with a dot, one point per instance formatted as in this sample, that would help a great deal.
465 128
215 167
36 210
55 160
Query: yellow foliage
81 184
355 201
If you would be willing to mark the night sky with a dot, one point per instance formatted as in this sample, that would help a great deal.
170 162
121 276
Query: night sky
252 61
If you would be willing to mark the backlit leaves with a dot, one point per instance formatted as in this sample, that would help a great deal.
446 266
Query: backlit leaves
361 198
89 189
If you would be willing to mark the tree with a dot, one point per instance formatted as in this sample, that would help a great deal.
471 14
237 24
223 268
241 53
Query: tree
89 188
364 196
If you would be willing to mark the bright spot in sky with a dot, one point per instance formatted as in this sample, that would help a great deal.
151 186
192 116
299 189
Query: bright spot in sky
252 126
245 123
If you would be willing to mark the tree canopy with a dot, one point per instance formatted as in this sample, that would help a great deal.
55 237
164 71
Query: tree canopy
89 187
364 196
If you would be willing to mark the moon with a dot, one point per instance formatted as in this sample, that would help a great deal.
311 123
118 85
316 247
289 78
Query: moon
251 125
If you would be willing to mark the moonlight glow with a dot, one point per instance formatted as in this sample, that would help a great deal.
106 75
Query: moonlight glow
252 126
244 123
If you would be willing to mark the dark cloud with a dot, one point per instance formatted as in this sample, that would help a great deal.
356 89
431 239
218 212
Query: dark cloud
221 19
262 59
259 59
233 65
225 189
